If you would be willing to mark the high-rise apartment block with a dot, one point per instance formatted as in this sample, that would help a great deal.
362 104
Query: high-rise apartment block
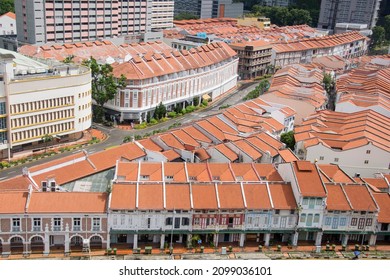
43 21
348 11
209 8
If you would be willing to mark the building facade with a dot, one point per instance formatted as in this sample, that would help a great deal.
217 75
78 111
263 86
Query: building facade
173 77
37 100
350 11
210 8
254 58
8 24
345 45
45 21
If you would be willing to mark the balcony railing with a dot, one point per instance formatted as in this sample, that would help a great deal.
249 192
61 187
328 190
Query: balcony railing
37 228
16 228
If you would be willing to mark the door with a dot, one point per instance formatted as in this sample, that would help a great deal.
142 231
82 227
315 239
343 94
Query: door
122 238
312 202
226 237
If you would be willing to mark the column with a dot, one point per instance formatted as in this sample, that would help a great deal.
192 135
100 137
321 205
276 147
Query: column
189 239
162 241
215 239
46 250
67 240
372 240
108 243
345 239
267 237
295 239
318 238
6 248
135 241
26 247
242 239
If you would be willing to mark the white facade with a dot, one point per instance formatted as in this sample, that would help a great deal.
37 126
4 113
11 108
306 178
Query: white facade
7 25
38 103
162 14
136 100
366 160
349 107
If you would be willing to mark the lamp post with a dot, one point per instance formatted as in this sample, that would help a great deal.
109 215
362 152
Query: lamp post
173 222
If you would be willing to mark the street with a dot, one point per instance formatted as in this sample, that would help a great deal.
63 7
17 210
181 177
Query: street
115 136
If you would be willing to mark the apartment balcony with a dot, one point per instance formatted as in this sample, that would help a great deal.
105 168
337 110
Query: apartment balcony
96 228
16 229
57 228
252 56
36 228
76 228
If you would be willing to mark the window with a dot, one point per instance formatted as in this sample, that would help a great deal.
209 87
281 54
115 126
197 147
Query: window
336 159
366 161
185 222
305 201
276 220
169 177
369 222
321 158
316 218
277 212
16 224
354 222
36 224
196 221
76 224
328 221
361 223
168 221
57 224
319 201
343 222
96 224
303 218
292 212
368 152
144 177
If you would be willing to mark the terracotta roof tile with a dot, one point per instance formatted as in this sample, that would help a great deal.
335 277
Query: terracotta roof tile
360 198
123 197
282 196
336 198
309 179
67 202
13 202
204 196
150 197
256 196
383 200
178 196
230 196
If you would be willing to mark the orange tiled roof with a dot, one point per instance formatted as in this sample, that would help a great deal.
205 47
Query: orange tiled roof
334 173
345 131
123 197
67 202
13 202
337 199
383 200
9 14
257 197
150 197
178 196
282 196
360 198
309 180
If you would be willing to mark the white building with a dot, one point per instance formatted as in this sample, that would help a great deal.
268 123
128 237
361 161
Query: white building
358 142
162 14
38 100
8 24
173 77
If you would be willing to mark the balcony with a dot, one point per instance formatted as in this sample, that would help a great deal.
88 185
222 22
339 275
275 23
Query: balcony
76 228
96 228
37 228
57 228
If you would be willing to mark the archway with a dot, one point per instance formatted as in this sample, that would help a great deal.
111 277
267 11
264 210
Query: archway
37 244
16 243
96 242
76 243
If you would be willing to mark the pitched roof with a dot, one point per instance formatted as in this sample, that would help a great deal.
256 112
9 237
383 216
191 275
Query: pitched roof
178 196
257 197
230 196
67 202
383 200
360 198
337 199
309 180
123 197
282 196
204 196
333 173
150 197
13 202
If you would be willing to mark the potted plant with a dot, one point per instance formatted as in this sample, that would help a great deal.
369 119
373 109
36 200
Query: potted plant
230 249
279 248
356 247
114 251
201 249
333 247
260 248
343 247
327 247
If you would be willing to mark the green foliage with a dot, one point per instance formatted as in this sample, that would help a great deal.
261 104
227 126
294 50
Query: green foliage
378 36
386 26
288 139
196 100
137 137
153 121
141 125
178 108
185 16
283 16
224 106
104 84
160 112
6 6
128 138
46 139
190 109
69 59
172 115
259 90
148 117
205 103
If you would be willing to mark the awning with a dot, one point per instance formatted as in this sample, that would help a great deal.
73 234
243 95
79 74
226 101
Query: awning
310 229
206 97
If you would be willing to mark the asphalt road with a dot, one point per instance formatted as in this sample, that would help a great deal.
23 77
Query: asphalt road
115 136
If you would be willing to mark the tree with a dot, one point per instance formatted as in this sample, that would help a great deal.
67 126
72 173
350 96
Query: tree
378 36
330 88
46 139
68 59
288 139
6 6
104 85
386 26
185 16
148 117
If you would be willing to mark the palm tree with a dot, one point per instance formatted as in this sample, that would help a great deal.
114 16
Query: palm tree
46 139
